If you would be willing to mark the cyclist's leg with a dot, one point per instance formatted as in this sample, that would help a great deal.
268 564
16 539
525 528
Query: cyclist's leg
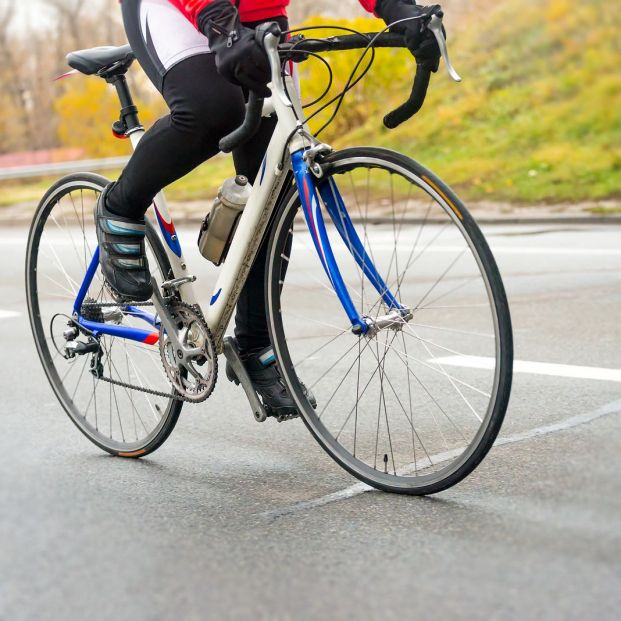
251 331
204 107
251 325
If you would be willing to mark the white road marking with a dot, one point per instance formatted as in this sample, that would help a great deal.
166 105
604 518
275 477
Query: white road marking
4 314
613 407
535 368
522 250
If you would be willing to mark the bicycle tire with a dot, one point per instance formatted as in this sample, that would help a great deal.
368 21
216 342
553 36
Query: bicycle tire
279 261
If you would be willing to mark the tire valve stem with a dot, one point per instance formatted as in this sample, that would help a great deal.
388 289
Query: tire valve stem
385 463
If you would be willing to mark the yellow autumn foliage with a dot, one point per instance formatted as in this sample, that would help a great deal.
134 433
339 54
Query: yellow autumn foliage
541 92
86 111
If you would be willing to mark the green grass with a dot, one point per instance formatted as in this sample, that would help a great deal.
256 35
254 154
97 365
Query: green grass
604 211
536 118
13 193
203 182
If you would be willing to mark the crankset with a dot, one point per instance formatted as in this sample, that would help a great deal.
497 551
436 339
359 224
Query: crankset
188 351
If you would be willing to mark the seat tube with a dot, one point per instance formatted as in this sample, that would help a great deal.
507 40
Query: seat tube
317 228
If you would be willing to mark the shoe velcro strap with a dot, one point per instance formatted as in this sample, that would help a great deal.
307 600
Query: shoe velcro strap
267 357
126 249
128 264
119 227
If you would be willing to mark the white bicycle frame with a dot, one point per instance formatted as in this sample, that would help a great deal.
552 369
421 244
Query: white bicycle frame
292 136
256 214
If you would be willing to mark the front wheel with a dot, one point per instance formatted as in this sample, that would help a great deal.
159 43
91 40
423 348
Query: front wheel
415 407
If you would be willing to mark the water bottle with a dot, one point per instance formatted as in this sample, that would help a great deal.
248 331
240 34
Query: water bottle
219 226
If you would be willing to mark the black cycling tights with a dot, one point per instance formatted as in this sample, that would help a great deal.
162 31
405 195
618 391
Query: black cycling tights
204 107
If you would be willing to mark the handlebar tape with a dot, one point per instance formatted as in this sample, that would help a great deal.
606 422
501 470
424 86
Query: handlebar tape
415 101
250 126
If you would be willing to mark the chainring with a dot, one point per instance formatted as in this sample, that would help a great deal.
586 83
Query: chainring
196 379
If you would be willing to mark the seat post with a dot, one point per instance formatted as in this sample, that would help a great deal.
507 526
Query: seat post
129 120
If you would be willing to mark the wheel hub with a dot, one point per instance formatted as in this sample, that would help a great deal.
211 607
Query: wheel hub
395 320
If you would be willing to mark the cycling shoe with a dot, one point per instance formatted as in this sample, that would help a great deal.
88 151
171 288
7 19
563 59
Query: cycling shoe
269 385
122 253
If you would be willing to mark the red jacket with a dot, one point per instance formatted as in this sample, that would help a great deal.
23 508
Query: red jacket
249 10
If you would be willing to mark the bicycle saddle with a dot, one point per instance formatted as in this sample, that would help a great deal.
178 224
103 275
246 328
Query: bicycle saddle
102 60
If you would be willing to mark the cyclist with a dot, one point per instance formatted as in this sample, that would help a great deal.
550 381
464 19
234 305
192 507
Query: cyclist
203 58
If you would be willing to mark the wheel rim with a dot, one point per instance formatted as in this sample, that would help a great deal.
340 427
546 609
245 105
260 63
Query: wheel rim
407 430
61 245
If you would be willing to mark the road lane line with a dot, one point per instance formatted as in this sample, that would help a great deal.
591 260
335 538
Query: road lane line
613 407
535 368
4 314
521 250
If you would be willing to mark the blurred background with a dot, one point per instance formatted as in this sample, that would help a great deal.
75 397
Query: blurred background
535 122
234 520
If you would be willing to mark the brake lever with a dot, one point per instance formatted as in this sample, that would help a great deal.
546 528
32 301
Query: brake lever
435 25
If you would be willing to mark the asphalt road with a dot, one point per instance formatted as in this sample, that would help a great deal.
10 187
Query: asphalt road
234 520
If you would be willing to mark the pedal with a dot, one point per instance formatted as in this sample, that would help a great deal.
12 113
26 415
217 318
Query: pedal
283 418
172 286
239 375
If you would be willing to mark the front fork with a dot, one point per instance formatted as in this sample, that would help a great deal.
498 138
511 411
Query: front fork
331 197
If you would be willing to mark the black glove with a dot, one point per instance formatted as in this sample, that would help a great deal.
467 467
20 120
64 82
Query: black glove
239 57
418 38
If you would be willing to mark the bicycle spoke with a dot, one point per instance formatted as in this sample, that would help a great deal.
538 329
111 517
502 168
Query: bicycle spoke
450 379
410 420
340 383
440 278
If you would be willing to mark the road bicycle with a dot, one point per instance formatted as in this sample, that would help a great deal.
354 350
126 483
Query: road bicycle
382 295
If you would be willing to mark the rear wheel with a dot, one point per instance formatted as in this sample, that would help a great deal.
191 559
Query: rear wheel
414 408
120 419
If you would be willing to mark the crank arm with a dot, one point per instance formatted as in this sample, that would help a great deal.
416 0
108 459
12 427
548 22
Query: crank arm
169 326
232 356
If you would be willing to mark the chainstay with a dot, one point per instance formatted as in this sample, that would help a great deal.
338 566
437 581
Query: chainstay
115 304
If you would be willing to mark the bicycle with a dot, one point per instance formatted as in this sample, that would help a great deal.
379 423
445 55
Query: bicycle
375 318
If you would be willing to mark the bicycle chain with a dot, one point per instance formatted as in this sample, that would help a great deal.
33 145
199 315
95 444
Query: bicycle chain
149 391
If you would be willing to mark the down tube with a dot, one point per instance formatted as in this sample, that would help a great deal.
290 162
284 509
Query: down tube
317 228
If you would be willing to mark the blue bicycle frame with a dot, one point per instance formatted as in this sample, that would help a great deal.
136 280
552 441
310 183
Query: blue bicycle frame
331 197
